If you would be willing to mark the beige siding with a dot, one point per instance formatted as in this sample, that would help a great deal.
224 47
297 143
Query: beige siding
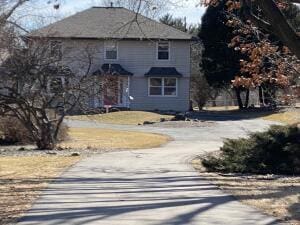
137 57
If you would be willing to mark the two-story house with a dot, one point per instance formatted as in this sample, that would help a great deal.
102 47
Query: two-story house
150 61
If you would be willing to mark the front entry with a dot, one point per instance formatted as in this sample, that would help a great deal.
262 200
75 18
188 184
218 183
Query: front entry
111 91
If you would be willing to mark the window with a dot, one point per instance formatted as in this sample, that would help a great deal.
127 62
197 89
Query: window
56 49
156 85
170 86
163 87
111 50
163 50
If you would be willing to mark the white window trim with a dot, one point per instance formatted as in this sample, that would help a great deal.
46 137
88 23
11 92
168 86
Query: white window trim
164 60
163 88
105 46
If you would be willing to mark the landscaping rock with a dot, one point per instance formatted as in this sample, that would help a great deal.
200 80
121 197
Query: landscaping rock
59 148
51 153
75 154
162 120
179 117
148 123
183 124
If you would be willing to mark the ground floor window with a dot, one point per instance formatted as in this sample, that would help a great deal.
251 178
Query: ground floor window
57 85
163 86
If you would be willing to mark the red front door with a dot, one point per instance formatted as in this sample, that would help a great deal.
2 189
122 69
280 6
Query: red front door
111 91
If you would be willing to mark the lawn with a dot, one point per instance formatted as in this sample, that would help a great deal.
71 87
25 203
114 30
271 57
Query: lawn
21 180
123 117
276 195
288 117
221 108
82 138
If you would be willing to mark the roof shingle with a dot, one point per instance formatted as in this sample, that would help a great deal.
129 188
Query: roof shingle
110 23
163 72
115 69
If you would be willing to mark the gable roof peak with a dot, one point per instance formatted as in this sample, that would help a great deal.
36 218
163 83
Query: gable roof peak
110 23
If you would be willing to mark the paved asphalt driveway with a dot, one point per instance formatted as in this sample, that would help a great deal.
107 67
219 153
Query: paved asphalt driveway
147 187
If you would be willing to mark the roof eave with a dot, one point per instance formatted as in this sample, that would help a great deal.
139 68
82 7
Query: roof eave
106 38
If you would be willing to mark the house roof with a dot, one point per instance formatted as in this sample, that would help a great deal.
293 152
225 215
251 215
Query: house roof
163 72
115 69
110 23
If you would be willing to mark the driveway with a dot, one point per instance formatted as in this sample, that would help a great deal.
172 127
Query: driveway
147 187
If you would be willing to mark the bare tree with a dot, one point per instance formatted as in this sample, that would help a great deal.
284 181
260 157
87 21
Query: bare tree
38 90
7 8
151 8
200 91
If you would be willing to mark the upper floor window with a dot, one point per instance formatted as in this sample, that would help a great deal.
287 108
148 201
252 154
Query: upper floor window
163 50
111 50
56 49
56 85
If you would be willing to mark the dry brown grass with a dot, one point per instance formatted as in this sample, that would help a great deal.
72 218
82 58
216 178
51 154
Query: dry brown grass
123 117
96 138
21 180
289 117
277 196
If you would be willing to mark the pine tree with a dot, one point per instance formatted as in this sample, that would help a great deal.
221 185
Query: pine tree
220 63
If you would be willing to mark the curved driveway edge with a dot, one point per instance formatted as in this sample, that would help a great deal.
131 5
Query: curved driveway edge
147 187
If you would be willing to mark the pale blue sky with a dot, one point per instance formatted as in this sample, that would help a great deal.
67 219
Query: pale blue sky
183 8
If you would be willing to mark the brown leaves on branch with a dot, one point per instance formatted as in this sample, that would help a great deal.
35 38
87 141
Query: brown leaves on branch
266 15
265 60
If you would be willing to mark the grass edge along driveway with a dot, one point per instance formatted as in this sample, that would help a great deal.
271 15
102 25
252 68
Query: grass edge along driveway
23 177
111 139
123 117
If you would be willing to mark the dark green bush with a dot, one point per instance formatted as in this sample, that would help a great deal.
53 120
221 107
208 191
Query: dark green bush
276 151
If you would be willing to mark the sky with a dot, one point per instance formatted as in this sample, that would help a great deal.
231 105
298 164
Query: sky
183 8
191 10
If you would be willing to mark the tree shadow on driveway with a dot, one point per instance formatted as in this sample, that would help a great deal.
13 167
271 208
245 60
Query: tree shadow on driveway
156 200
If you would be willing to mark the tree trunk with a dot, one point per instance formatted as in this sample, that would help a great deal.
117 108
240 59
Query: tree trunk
200 106
239 99
191 108
261 97
280 26
46 141
214 103
246 105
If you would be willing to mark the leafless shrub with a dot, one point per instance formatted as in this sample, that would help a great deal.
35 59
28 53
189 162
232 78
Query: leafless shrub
38 90
12 131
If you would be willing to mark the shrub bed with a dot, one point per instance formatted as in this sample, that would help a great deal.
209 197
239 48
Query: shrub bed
276 151
12 131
